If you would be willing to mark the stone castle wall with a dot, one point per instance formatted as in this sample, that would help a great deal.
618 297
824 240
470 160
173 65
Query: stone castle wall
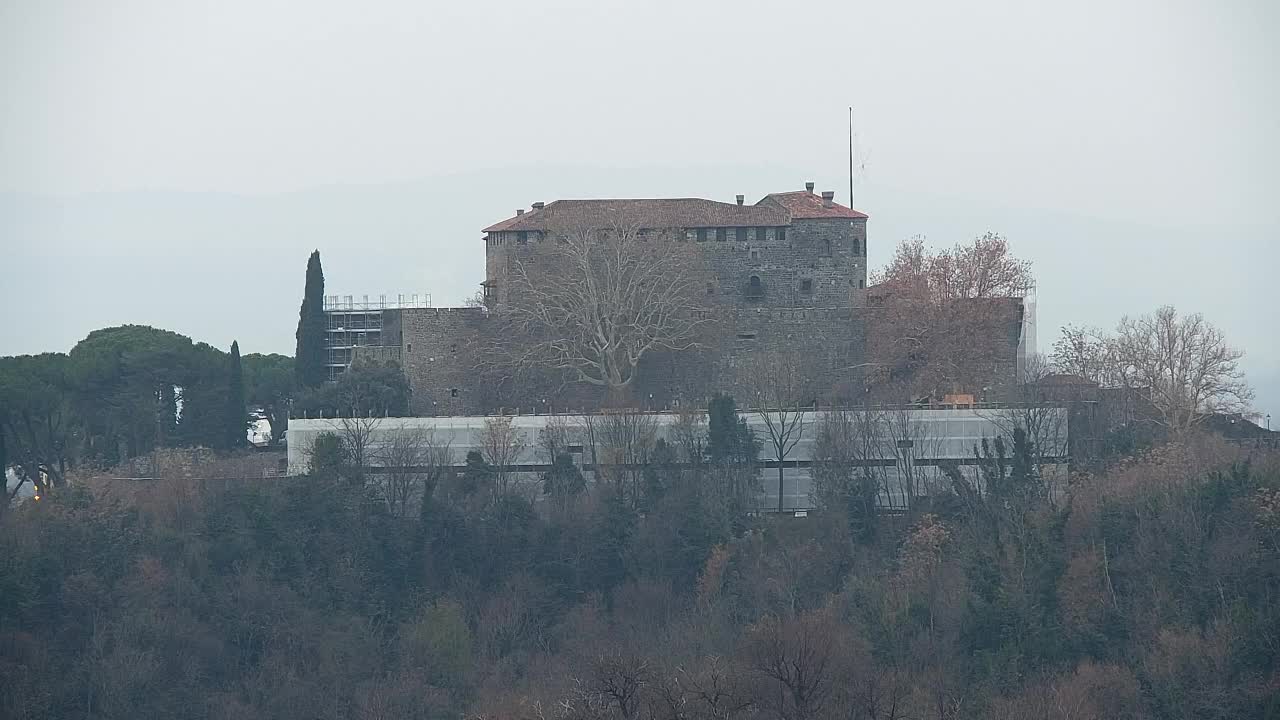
438 359
812 274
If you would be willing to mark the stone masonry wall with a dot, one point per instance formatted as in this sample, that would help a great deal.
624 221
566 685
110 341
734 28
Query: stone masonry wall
436 356
812 278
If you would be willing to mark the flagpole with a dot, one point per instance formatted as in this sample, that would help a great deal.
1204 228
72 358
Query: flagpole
850 157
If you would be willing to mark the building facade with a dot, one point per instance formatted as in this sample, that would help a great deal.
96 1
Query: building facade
787 273
907 459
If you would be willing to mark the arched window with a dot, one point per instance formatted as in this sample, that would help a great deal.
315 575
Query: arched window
826 249
857 247
755 288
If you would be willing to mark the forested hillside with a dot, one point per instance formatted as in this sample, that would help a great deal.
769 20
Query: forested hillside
1149 591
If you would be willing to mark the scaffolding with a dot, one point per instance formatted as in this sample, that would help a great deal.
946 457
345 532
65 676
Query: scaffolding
353 326
339 303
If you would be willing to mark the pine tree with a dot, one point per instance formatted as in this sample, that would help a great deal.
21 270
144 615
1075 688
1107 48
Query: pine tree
237 422
309 359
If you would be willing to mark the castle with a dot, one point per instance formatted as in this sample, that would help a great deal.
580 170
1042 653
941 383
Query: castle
787 273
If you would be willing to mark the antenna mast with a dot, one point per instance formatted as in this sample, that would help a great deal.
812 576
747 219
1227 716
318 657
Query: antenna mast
850 157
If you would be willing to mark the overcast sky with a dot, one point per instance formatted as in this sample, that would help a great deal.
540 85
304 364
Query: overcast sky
173 162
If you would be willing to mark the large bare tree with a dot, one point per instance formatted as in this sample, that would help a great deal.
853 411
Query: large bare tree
1183 364
413 461
942 320
781 385
594 300
501 444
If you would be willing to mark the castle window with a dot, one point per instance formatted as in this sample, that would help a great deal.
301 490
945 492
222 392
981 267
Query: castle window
702 234
522 237
755 254
862 284
755 288
408 347
806 287
760 234
826 248
575 449
782 234
742 234
453 392
722 234
746 336
857 247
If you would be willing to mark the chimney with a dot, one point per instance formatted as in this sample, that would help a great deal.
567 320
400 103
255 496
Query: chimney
519 211
740 199
828 198
539 205
809 187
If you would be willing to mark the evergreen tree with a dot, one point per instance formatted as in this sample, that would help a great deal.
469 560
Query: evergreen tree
237 422
309 362
729 440
564 480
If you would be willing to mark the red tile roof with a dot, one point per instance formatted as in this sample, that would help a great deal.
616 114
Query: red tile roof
804 205
659 213
773 210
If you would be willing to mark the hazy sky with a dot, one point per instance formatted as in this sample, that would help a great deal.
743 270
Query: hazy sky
172 162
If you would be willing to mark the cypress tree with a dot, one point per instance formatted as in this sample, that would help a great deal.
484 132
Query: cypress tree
237 422
309 363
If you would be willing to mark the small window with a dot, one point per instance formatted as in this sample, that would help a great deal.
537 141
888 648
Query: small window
760 234
782 234
575 449
746 336
862 284
857 247
408 348
755 254
755 288
522 237
453 392
742 234
722 234
806 287
826 248
453 348
702 234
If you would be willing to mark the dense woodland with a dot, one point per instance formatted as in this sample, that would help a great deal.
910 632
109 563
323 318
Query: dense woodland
1150 591
1148 587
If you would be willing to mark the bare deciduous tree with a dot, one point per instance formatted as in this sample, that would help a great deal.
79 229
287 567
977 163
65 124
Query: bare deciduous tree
626 440
597 300
413 461
801 663
555 437
780 386
941 319
1185 363
357 435
619 677
847 451
501 444
1087 352
689 432
1182 363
